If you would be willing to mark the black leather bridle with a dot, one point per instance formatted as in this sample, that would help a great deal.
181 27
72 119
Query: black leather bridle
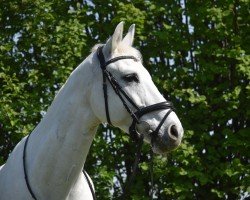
136 115
124 97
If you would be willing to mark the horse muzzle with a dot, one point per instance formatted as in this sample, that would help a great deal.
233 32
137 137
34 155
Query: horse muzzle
162 141
168 141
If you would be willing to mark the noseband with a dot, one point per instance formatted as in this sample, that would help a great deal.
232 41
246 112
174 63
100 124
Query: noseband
139 111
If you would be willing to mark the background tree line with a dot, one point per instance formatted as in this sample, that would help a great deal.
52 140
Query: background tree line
198 55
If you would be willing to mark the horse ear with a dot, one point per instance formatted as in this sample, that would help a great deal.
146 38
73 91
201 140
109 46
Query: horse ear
116 38
129 38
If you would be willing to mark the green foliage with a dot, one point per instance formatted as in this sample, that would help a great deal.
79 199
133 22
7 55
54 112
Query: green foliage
198 53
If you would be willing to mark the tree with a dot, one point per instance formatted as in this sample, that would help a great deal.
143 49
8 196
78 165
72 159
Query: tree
198 55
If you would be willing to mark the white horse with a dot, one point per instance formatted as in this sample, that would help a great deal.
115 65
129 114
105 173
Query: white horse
57 148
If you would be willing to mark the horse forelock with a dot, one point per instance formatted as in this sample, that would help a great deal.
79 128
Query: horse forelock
122 49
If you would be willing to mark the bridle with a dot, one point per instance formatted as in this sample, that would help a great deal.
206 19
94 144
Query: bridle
136 115
140 111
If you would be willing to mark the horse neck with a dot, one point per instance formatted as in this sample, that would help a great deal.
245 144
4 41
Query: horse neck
59 145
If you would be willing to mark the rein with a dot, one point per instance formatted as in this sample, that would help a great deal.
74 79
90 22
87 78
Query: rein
135 115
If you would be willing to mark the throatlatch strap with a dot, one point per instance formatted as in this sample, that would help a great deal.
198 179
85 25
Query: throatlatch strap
105 92
104 83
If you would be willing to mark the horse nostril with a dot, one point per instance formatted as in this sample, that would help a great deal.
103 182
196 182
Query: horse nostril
173 132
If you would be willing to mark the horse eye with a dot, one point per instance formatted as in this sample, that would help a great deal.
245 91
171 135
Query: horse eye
131 78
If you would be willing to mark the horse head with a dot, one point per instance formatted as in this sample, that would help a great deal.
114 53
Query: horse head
132 101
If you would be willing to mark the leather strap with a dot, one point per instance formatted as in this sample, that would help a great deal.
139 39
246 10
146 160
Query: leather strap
156 131
158 106
25 168
90 185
